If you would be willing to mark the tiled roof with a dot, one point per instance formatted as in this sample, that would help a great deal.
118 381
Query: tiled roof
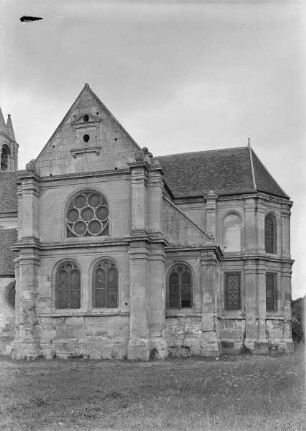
264 181
8 192
7 238
226 172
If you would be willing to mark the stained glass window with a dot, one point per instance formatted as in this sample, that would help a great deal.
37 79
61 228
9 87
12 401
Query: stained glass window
68 286
270 234
232 291
87 215
270 292
105 285
180 287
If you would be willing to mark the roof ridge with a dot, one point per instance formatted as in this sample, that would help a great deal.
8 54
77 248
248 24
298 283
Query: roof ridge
252 166
203 151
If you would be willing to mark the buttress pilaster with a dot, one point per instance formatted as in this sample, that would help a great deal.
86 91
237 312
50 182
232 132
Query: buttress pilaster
157 299
27 339
139 172
209 340
139 343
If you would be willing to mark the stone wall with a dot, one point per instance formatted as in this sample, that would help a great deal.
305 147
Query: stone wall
55 195
183 336
179 229
87 336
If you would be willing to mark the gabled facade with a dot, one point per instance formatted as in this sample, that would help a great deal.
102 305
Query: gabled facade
124 255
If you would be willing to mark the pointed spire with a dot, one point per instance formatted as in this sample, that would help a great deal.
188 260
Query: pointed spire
9 125
2 122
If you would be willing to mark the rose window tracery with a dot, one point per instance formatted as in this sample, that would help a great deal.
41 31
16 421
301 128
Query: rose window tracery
87 215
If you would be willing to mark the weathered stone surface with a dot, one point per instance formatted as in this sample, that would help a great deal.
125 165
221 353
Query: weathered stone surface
149 233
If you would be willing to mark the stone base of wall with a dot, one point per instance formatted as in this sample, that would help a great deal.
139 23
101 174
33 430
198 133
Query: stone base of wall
139 349
185 338
159 348
107 337
23 349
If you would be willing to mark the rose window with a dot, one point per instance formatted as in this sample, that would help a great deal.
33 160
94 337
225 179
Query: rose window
87 215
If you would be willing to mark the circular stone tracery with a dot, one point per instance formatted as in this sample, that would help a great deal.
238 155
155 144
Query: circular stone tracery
87 215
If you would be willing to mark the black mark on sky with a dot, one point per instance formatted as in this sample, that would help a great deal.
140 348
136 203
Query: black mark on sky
29 18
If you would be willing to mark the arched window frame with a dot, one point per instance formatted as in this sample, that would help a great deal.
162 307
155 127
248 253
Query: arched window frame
69 229
270 241
227 214
109 302
71 290
5 155
10 295
170 271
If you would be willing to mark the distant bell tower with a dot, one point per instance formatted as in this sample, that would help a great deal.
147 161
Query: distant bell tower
8 145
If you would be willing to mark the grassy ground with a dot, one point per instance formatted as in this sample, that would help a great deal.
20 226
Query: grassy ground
242 393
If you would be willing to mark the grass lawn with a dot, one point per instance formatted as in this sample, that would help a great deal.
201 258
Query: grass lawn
241 393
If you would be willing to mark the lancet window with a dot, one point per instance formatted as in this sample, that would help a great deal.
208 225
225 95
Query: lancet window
68 286
105 285
270 234
179 286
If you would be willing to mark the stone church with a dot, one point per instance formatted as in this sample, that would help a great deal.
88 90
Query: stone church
109 252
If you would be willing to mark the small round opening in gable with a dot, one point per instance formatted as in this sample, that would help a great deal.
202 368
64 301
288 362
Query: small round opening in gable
86 118
86 138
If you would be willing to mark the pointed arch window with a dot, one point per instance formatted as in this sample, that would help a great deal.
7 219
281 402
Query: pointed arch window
5 153
270 234
105 285
179 287
87 214
68 286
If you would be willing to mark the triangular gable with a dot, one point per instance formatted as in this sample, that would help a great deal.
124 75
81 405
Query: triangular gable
89 138
179 229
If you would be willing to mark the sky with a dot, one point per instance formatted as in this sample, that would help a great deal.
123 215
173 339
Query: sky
180 76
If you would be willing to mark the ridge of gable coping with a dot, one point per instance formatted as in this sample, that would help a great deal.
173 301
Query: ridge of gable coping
209 236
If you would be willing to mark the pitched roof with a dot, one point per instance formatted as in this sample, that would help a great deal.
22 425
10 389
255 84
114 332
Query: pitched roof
7 238
264 180
226 172
8 192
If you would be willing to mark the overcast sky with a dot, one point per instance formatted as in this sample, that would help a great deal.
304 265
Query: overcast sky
179 75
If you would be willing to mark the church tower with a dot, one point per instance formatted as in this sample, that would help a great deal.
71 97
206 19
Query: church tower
8 145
